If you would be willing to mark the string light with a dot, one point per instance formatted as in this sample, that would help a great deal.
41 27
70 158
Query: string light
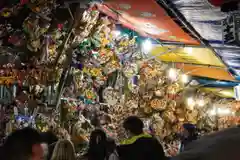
147 46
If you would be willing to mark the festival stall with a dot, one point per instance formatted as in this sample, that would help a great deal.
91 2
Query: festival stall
73 68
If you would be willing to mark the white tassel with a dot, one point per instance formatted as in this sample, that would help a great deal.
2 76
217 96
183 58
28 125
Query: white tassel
14 91
25 111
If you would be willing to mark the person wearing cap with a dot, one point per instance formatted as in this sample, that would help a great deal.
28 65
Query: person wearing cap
189 134
139 145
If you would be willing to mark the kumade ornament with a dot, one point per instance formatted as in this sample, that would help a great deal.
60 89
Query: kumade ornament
110 96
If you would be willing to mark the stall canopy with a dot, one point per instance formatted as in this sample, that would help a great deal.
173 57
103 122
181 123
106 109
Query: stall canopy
207 19
203 56
155 19
147 18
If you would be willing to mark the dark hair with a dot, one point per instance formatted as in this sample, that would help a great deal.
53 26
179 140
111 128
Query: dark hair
134 125
97 145
18 144
191 128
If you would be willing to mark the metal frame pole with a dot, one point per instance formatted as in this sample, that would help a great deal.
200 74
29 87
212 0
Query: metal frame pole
64 76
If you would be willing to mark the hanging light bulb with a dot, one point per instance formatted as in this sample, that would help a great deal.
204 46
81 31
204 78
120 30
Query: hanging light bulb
184 78
201 102
172 74
147 46
213 112
190 101
188 50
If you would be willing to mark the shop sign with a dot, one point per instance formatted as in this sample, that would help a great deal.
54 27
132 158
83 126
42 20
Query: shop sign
231 29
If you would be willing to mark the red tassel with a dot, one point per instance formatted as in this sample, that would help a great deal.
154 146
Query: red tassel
23 2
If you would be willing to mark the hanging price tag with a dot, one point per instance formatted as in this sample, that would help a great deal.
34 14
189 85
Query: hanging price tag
15 110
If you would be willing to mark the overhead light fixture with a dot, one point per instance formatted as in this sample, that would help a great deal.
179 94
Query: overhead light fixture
190 101
184 78
172 74
147 46
201 102
188 50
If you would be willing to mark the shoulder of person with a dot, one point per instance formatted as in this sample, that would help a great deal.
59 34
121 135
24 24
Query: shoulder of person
113 156
147 140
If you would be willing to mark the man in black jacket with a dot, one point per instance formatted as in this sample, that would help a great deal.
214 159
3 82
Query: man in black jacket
139 146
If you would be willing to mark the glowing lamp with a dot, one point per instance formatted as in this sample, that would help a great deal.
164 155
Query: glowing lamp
147 46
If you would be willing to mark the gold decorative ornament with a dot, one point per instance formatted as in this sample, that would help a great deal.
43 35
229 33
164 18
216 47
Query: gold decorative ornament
173 89
158 104
169 116
160 93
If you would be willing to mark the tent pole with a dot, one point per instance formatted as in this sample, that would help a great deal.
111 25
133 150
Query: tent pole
64 76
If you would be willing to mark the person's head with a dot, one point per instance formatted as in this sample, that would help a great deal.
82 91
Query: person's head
97 145
63 149
189 129
133 125
24 144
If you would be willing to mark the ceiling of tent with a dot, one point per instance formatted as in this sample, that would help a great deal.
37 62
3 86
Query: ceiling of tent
147 18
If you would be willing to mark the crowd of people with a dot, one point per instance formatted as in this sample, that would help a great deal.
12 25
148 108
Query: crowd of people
28 143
